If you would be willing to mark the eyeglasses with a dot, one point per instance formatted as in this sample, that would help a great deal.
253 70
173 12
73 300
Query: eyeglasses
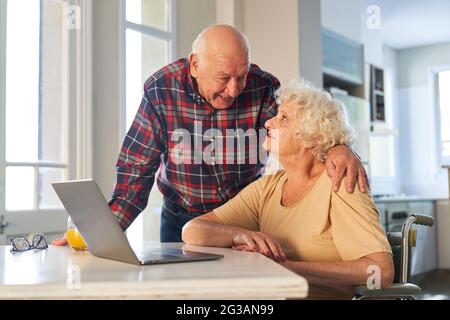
21 244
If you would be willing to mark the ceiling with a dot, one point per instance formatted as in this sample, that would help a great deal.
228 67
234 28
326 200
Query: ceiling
412 23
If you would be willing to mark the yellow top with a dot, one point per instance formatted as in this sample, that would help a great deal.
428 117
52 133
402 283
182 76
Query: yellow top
323 226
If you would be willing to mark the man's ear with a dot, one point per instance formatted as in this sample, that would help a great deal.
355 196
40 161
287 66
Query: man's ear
193 64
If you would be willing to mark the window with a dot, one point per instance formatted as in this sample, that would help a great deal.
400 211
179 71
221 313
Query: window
444 115
148 35
149 43
33 104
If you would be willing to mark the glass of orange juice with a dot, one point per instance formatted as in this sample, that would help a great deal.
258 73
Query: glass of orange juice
74 238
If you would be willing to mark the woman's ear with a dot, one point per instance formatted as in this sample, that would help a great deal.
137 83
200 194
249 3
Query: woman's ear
313 142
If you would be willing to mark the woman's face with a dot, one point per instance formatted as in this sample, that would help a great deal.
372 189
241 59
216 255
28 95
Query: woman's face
282 131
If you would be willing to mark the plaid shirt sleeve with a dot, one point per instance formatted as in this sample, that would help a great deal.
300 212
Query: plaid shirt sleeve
138 162
269 106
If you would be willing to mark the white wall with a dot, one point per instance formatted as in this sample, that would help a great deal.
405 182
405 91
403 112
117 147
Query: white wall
414 63
193 17
106 93
310 41
421 172
342 17
371 36
230 12
285 37
272 30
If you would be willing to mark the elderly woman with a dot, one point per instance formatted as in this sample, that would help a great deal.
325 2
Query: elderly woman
294 216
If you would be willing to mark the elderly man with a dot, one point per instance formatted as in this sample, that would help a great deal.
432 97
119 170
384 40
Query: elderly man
218 88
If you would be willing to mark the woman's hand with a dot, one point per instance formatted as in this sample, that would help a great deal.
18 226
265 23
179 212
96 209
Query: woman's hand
258 242
341 161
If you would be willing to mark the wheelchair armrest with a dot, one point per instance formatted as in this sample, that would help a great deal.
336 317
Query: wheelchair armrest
423 220
397 289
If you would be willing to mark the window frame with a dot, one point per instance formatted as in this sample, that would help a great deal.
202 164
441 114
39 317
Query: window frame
78 109
170 35
435 101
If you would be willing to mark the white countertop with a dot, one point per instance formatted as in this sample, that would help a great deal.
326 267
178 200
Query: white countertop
59 272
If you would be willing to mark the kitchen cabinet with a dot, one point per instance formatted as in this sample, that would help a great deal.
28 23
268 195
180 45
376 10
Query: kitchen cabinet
342 58
396 214
377 94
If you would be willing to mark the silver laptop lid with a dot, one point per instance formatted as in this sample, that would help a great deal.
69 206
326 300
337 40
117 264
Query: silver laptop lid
90 212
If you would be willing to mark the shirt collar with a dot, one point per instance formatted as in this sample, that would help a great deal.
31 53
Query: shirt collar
196 96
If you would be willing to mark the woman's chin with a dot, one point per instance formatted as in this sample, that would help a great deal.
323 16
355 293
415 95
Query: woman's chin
266 146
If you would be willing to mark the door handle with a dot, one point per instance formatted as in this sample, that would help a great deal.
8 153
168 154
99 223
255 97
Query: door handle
3 224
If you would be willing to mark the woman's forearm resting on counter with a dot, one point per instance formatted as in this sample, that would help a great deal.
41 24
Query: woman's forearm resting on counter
208 231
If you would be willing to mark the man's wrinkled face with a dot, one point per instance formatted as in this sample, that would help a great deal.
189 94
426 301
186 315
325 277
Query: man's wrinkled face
220 79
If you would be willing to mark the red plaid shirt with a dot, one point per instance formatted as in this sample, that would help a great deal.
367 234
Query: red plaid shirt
171 103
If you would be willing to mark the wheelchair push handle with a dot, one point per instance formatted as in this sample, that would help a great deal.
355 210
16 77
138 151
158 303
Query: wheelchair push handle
423 220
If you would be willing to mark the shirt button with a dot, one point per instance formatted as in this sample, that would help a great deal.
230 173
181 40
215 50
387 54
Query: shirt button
211 139
213 163
219 188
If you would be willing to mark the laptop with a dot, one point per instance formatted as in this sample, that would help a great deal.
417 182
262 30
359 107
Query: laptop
104 237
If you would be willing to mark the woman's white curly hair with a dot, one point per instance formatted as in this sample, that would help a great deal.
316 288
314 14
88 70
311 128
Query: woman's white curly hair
323 121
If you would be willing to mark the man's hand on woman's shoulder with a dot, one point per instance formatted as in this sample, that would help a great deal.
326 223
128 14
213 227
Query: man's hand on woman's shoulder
342 162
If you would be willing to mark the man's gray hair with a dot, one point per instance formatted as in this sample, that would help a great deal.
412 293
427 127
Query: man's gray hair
198 40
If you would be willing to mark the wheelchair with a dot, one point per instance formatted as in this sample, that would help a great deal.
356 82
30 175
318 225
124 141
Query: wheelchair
401 244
